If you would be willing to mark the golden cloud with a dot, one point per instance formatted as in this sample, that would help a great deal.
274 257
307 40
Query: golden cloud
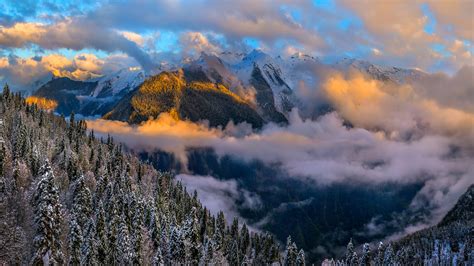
43 103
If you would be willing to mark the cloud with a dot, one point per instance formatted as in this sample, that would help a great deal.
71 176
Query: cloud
399 27
456 14
398 135
399 109
261 19
196 42
455 91
30 73
134 37
221 195
319 152
75 34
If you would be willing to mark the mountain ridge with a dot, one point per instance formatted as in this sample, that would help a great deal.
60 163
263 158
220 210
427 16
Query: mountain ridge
268 84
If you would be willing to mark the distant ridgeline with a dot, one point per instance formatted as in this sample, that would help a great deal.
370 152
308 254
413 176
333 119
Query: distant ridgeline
451 242
69 198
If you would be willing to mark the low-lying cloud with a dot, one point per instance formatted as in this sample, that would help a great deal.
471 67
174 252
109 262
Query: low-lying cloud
397 135
220 195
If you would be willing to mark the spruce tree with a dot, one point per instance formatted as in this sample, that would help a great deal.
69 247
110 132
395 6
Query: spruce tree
48 219
366 256
124 244
388 258
291 253
75 241
380 254
82 202
300 260
101 234
89 249
349 252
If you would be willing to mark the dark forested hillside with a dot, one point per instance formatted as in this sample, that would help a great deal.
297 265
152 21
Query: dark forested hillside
186 94
69 198
450 242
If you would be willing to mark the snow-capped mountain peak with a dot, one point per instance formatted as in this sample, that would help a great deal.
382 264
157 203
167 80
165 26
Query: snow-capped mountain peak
119 82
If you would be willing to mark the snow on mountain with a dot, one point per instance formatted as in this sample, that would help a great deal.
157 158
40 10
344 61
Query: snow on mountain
384 73
119 83
270 83
275 74
231 57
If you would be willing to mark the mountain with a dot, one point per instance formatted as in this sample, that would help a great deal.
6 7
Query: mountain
67 197
382 73
456 227
93 97
187 94
67 93
254 87
119 83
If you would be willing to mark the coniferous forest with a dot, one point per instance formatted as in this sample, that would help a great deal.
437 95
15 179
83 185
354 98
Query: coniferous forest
67 197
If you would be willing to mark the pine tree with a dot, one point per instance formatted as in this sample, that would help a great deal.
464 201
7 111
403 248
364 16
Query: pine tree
244 240
207 256
112 233
82 202
291 253
177 245
89 249
349 252
300 260
366 256
354 261
101 234
75 241
388 258
48 219
137 231
219 235
380 254
193 237
125 250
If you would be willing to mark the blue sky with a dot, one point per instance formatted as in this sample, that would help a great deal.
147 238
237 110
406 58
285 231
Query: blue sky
430 35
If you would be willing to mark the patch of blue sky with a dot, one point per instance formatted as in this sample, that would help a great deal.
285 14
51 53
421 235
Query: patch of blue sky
253 43
33 10
167 42
293 12
219 38
23 52
440 49
430 25
349 21
327 5
468 45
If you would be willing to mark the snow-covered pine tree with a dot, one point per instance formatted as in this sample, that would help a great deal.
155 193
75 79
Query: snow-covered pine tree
124 246
82 202
89 247
291 253
300 260
380 254
389 257
48 219
354 259
101 234
349 252
75 241
193 241
366 255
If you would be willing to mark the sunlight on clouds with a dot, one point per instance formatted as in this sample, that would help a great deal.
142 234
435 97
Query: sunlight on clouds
134 37
372 104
